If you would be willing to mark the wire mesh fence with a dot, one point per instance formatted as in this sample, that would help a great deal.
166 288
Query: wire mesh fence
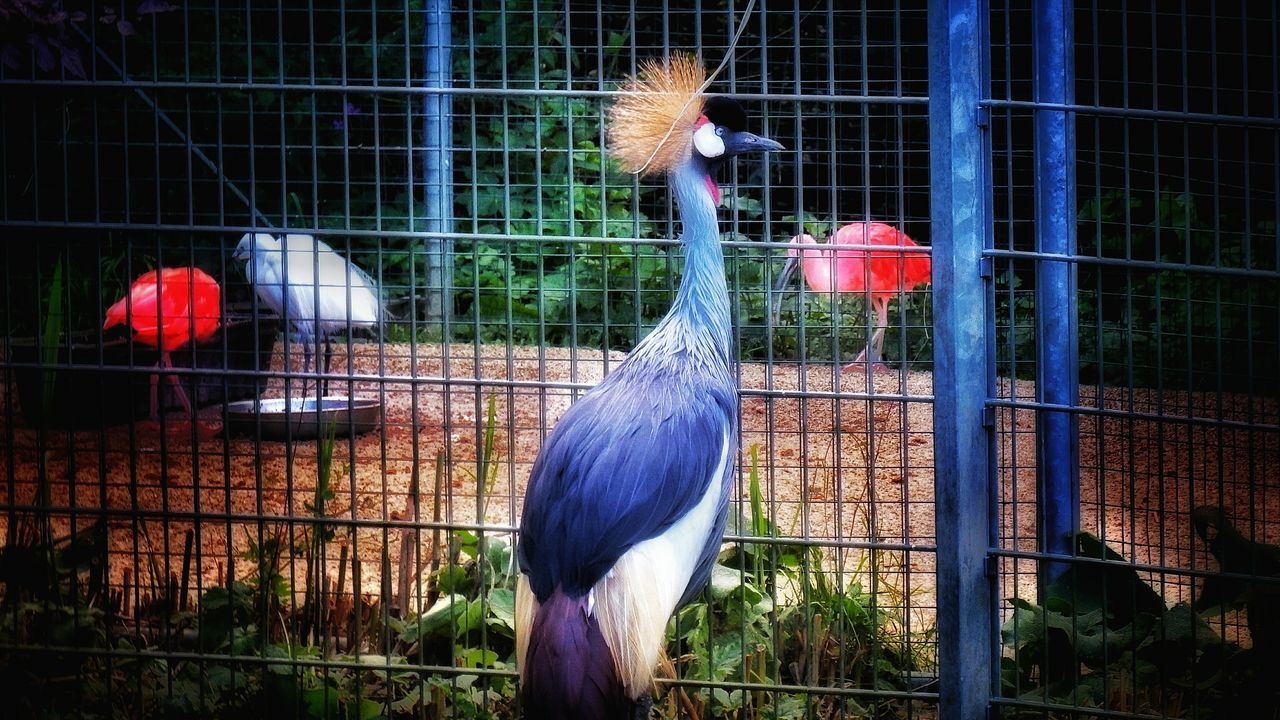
1175 272
332 531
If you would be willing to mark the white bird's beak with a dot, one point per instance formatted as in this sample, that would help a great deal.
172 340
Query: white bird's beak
244 249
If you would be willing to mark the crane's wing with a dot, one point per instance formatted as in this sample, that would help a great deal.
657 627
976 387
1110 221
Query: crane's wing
625 465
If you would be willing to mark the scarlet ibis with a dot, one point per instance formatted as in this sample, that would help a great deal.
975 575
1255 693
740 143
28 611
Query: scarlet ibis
312 287
880 274
167 308
626 503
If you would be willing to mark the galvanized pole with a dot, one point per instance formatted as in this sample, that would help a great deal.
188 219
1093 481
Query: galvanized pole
963 451
1057 370
437 162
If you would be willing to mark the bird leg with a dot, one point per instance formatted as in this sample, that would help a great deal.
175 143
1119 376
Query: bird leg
306 364
875 344
155 397
177 386
204 430
882 319
328 359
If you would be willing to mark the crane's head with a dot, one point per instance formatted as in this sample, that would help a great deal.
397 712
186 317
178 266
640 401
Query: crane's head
662 122
252 242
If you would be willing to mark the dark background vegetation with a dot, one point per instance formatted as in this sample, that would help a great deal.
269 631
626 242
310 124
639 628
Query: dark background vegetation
316 150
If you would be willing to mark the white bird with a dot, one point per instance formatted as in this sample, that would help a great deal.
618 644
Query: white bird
312 287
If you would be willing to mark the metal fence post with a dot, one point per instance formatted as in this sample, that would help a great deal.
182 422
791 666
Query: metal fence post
960 180
437 163
1057 370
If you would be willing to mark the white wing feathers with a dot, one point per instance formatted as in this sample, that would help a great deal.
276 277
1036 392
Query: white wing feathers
343 294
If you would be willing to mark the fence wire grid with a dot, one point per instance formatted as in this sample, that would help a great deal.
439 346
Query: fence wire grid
1079 519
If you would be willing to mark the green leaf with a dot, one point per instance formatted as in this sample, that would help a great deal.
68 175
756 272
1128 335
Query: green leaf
437 621
502 607
476 657
368 710
724 581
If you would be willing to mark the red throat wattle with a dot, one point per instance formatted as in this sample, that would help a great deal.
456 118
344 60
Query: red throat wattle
714 189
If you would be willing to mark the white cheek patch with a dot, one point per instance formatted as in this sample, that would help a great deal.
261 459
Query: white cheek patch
707 142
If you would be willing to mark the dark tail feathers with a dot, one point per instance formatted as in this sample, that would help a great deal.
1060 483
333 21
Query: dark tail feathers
569 673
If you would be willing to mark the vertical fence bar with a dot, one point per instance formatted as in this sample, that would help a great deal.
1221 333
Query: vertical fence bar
962 437
437 162
1057 370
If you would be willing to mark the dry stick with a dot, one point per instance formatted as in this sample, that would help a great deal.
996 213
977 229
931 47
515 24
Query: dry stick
98 571
338 601
353 638
171 595
323 632
384 603
407 576
128 578
435 530
186 570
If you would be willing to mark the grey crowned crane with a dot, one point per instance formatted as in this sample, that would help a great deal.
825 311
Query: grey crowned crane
626 503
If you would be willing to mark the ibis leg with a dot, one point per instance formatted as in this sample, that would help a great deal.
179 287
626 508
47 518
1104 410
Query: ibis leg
874 350
177 387
882 323
203 430
155 397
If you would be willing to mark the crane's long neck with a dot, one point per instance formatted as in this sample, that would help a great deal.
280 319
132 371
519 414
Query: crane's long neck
703 299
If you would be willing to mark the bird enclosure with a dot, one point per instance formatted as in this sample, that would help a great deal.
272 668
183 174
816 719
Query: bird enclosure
292 296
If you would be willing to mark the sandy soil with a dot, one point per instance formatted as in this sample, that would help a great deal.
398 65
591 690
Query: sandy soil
848 465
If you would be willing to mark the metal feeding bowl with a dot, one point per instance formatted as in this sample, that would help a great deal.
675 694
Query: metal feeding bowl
304 418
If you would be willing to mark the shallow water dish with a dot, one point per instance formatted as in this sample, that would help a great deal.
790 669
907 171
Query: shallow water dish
303 420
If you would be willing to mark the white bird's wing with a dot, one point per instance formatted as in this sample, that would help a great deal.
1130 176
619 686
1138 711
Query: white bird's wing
313 287
342 294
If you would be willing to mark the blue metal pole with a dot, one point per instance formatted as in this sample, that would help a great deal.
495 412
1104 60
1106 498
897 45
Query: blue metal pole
437 162
1057 370
960 176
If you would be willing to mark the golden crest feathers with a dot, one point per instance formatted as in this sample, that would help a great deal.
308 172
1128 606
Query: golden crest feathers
651 125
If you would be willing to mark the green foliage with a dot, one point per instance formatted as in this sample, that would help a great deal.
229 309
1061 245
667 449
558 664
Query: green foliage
774 613
536 168
1173 327
1105 639
1160 326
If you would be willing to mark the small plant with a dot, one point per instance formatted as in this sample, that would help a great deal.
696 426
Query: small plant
317 536
1105 639
776 613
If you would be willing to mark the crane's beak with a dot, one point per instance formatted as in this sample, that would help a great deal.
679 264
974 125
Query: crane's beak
738 143
784 278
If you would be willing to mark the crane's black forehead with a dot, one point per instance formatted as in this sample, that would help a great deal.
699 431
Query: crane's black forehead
725 112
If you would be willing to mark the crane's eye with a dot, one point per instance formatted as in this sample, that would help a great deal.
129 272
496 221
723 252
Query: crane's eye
708 140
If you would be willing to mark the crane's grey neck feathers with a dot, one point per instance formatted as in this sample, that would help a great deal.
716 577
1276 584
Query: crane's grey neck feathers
698 321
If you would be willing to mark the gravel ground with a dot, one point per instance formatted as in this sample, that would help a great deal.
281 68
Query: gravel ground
849 465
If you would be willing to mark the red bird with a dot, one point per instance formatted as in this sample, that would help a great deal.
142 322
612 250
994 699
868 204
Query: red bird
167 308
885 275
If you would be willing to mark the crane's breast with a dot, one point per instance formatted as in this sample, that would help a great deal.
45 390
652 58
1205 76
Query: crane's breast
631 462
